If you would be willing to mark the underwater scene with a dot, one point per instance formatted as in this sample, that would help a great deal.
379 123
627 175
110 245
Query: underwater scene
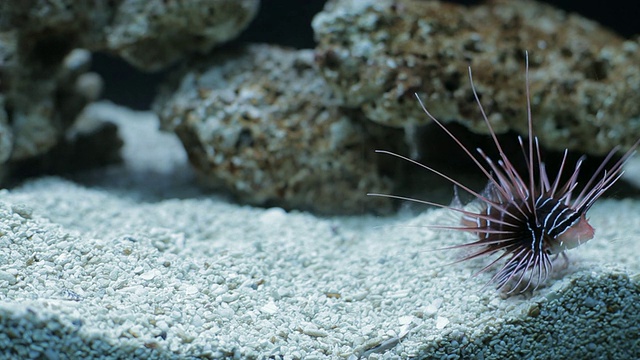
323 179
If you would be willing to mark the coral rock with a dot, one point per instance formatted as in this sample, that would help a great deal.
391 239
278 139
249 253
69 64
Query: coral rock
261 122
169 29
585 88
148 34
45 53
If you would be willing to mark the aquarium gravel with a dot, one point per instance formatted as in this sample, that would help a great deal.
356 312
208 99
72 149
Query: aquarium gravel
90 269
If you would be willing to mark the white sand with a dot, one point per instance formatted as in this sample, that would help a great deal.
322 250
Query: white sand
134 262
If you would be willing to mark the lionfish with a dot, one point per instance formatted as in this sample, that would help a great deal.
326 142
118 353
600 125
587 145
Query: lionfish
525 216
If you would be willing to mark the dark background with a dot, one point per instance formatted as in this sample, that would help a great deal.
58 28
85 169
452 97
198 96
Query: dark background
288 23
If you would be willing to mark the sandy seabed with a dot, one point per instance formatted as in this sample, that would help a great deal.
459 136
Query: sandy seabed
132 262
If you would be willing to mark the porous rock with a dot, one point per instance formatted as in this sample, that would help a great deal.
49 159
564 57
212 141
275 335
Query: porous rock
261 122
169 29
44 85
40 99
45 52
148 34
583 79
